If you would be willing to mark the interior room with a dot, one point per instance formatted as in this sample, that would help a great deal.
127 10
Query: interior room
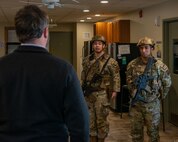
72 25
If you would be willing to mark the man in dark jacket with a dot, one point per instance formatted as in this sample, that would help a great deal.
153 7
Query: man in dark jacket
40 95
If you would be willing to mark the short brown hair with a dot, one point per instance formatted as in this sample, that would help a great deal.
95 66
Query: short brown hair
30 22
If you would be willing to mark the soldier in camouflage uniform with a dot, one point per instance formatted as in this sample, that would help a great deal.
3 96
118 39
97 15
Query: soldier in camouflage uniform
97 99
145 110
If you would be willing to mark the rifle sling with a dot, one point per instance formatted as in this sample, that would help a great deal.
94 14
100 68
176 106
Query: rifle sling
101 69
149 64
91 67
104 65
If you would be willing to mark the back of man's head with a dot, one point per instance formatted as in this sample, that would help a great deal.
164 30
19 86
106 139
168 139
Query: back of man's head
30 22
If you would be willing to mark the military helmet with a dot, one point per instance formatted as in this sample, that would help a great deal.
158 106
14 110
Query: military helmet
98 38
146 41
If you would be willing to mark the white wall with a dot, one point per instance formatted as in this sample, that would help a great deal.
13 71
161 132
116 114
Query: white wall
84 33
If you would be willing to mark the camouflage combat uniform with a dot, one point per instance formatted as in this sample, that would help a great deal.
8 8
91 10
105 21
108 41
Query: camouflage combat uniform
98 100
147 112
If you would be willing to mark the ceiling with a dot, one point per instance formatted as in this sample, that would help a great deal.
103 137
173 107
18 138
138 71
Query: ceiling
74 11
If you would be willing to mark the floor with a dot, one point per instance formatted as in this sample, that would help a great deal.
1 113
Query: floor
120 130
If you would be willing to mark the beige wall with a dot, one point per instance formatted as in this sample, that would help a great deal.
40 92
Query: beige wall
2 38
67 27
2 51
145 26
84 33
61 27
2 28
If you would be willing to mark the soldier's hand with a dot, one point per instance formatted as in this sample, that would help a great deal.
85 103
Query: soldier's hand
114 94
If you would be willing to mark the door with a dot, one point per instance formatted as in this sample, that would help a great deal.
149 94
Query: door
60 45
170 42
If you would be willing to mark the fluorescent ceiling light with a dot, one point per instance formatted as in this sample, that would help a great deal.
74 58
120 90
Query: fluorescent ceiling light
88 18
86 10
104 1
97 15
82 20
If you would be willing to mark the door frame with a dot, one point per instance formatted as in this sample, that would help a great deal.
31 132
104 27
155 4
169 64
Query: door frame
167 60
166 23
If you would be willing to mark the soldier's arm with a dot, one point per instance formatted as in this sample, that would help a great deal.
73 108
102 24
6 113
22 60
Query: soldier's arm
85 63
129 79
165 79
114 70
83 71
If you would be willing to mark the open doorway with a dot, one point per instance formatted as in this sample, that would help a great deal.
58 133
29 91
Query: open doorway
170 47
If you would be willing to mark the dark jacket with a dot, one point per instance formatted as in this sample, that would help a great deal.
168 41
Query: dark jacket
40 99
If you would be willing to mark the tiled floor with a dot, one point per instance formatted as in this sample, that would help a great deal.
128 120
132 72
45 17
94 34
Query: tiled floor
120 130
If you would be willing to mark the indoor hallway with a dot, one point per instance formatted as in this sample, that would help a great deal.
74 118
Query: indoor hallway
120 130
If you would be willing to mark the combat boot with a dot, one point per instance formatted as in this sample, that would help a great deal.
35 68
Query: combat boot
93 139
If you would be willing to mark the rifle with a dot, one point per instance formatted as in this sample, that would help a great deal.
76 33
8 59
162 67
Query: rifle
88 88
141 82
96 79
